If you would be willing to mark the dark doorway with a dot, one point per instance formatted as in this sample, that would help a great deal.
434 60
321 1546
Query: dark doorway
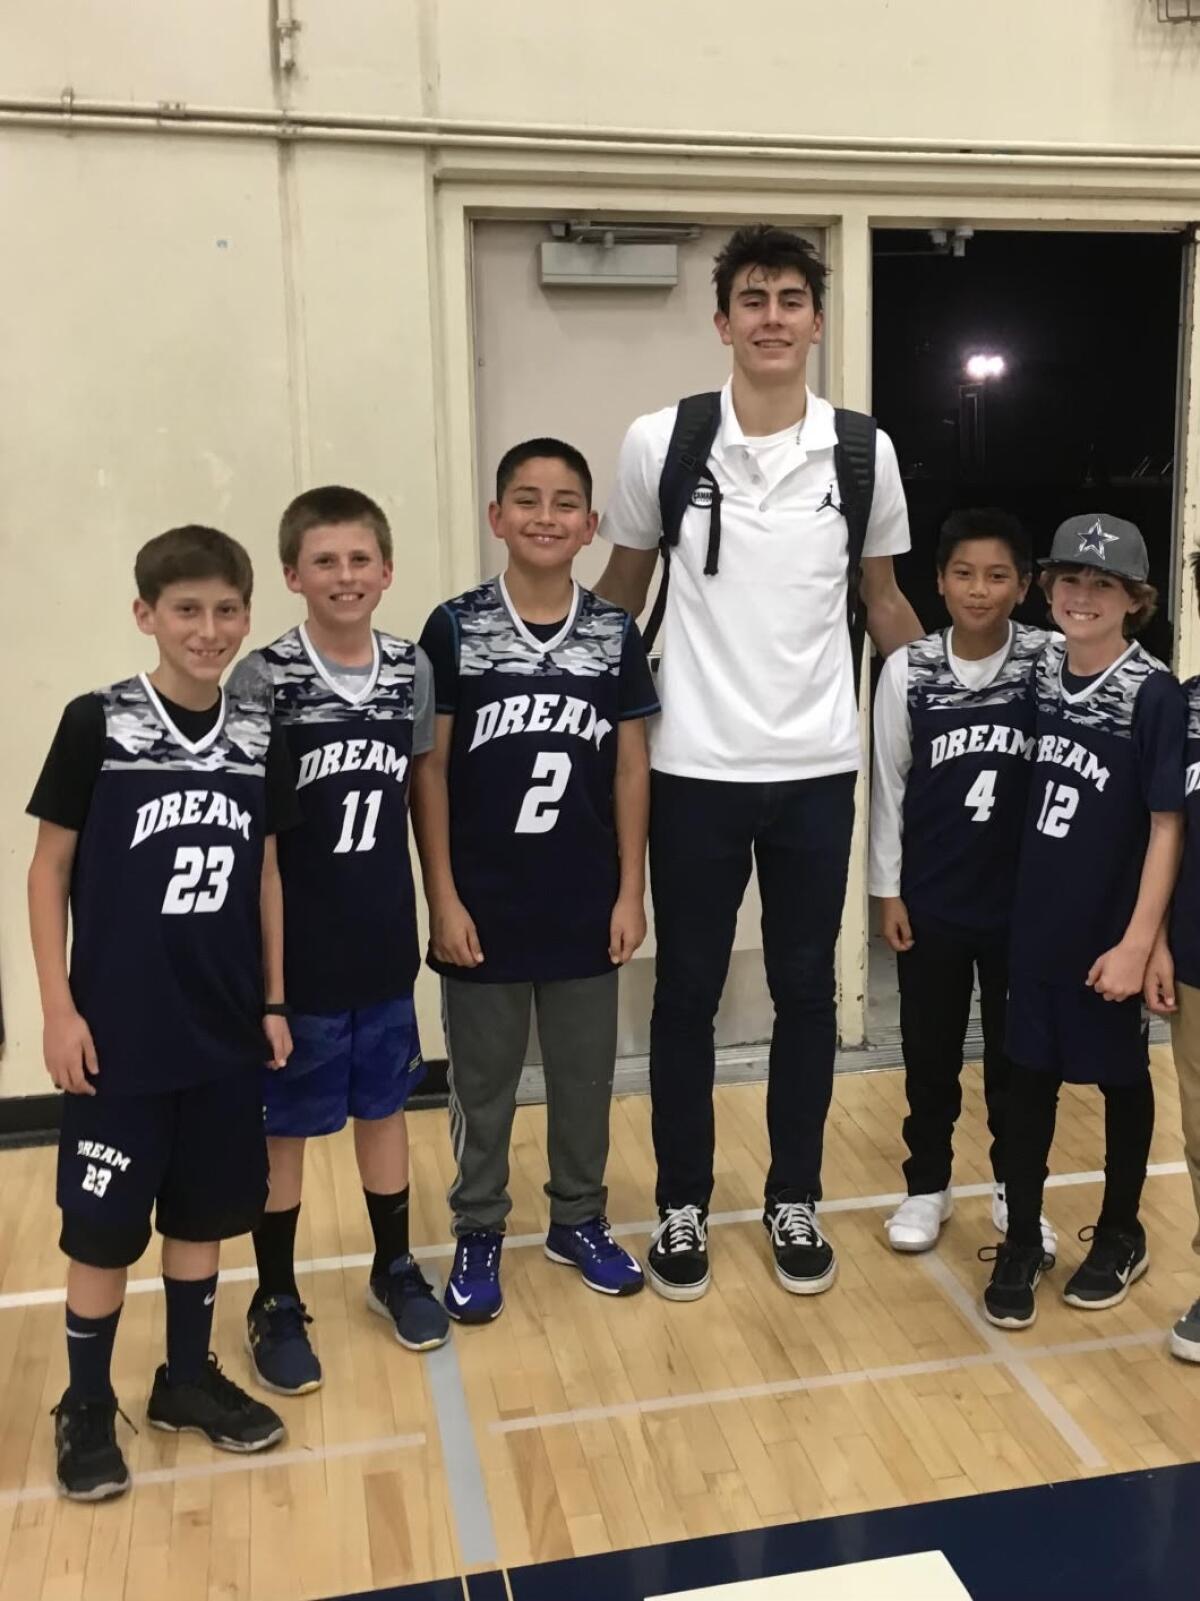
1082 417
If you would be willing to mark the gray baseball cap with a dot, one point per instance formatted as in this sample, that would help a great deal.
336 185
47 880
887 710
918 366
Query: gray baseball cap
1098 540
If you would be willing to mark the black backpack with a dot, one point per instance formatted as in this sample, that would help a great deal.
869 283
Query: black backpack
686 468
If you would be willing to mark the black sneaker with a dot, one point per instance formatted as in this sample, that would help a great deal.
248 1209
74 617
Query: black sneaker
90 1464
1008 1301
677 1263
1116 1260
215 1407
804 1259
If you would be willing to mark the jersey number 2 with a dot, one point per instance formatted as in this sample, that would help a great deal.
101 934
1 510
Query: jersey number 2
538 813
191 864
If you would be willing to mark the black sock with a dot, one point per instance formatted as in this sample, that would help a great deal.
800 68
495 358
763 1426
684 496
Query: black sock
275 1253
389 1225
89 1355
189 1327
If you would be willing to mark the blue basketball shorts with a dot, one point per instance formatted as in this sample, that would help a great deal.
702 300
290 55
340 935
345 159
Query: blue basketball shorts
194 1157
1069 1030
363 1064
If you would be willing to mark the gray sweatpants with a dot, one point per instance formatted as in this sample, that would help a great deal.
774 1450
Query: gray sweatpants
487 1029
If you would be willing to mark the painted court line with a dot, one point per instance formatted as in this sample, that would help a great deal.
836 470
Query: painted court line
469 1504
516 1242
223 1466
998 1355
741 1392
1017 1363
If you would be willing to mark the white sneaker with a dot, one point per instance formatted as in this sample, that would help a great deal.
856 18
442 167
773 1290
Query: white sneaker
1000 1219
917 1221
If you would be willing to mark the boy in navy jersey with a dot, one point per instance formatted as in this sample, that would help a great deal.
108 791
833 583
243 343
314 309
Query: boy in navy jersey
158 805
531 815
1173 987
1099 855
355 706
953 741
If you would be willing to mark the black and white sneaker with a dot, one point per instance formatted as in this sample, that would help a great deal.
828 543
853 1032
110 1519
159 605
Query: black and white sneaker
804 1259
90 1464
677 1263
1116 1260
215 1407
1009 1300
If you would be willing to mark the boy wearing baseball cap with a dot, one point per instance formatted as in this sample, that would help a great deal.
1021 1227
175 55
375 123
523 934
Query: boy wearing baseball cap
1099 856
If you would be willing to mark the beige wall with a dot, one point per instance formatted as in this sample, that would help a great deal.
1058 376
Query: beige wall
196 320
1090 71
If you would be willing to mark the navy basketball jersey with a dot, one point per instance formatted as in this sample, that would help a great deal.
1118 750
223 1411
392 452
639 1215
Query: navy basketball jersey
964 802
350 921
532 838
166 958
1185 911
1107 755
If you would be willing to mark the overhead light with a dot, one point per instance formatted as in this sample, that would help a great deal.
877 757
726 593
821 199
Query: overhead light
981 366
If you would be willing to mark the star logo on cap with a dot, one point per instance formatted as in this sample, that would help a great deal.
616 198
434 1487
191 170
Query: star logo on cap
1094 539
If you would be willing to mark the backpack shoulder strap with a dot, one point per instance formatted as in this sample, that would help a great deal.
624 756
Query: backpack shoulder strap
854 458
697 418
854 461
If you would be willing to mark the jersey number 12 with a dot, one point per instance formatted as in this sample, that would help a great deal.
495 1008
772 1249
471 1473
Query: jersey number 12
1059 805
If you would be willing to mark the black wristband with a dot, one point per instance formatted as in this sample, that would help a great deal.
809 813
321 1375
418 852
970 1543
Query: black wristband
277 1009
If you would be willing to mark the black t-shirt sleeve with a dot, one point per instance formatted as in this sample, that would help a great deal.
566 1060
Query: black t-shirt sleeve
63 792
282 809
439 641
1159 739
636 694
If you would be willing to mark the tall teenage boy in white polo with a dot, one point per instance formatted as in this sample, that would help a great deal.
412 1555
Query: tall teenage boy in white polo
757 748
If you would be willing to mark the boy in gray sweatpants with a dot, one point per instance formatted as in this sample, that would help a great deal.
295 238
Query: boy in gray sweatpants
530 816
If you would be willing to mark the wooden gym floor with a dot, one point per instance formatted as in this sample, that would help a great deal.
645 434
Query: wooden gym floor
576 1425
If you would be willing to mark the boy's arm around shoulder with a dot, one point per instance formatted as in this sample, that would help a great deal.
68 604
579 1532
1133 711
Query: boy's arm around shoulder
275 1024
67 1046
453 937
892 764
1160 731
251 679
631 818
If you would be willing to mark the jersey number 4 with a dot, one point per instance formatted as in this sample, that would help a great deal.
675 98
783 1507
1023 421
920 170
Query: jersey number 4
980 799
184 892
539 813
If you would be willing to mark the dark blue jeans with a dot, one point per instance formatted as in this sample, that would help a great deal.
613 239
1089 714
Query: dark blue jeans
704 834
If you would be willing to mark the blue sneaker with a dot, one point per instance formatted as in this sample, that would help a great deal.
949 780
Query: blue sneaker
405 1295
280 1352
473 1293
605 1265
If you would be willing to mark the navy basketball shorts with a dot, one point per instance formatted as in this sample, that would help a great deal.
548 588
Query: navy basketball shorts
1071 1031
362 1064
196 1158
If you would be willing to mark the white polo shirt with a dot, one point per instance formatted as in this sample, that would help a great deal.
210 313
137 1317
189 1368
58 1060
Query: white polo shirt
756 680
